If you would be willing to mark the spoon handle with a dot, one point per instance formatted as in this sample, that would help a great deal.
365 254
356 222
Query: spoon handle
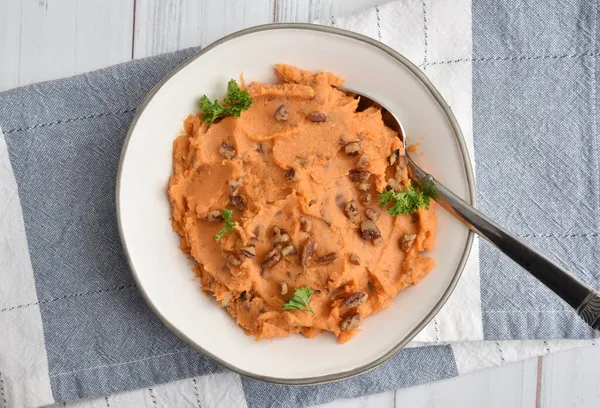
585 300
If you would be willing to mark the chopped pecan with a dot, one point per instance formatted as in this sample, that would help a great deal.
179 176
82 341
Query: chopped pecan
305 224
227 151
308 251
394 157
351 209
366 197
359 176
407 241
289 250
284 288
352 149
248 251
364 186
355 299
271 258
238 201
233 259
327 259
292 175
214 216
235 185
394 185
280 236
354 259
400 168
363 162
282 114
318 117
350 322
372 214
369 230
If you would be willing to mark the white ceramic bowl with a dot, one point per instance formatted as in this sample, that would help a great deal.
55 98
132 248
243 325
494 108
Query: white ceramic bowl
164 275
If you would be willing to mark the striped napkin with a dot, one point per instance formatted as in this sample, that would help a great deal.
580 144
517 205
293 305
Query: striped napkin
74 326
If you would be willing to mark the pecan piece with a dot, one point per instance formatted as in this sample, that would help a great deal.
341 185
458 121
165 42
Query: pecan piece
233 259
363 162
292 175
369 230
305 224
248 251
359 176
289 250
284 288
351 209
280 236
308 251
227 151
238 201
272 258
364 186
355 299
235 185
327 259
350 322
214 216
354 259
366 197
372 214
394 185
407 241
281 114
400 167
352 149
318 117
394 157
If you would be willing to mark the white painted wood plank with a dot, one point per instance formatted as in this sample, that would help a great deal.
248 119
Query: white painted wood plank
306 11
163 26
571 379
385 400
509 386
104 33
10 26
56 38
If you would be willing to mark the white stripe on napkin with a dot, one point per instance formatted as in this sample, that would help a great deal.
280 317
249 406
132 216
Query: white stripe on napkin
23 365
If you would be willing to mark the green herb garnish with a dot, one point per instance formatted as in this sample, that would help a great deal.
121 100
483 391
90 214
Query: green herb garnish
229 225
300 300
237 100
407 201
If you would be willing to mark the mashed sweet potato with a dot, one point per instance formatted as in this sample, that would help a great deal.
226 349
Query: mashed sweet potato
301 170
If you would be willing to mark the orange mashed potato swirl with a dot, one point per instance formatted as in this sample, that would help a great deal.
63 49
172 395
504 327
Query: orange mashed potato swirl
300 189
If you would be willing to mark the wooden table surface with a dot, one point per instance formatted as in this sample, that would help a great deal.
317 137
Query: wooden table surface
48 39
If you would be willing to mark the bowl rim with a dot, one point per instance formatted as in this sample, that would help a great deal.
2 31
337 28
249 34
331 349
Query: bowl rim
468 168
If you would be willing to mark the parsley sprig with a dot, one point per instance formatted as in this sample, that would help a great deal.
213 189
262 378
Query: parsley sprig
300 300
236 101
407 201
229 224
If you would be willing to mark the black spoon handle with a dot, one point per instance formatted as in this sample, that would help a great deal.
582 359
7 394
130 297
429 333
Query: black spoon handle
585 300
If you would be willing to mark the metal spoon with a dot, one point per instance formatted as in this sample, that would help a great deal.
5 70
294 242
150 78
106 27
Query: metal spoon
585 300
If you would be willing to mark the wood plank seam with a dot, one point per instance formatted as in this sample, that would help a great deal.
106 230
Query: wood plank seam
133 29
